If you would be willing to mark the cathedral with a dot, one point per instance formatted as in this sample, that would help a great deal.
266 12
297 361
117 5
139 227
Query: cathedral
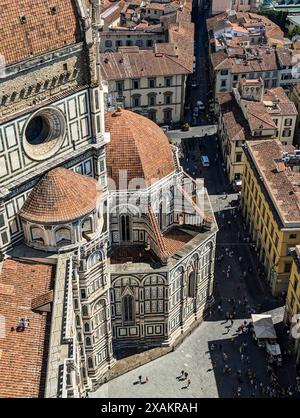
106 244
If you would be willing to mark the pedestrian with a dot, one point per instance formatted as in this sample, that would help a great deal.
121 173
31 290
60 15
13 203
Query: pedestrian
240 259
219 308
186 375
242 356
182 373
220 347
212 347
140 379
147 379
188 382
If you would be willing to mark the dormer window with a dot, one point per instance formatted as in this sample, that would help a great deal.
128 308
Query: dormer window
22 19
53 10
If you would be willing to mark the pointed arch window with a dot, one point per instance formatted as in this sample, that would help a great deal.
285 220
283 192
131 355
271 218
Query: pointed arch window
192 284
125 228
160 215
37 234
128 308
63 236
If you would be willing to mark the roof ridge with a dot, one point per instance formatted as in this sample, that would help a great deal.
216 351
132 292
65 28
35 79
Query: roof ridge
163 253
258 117
178 63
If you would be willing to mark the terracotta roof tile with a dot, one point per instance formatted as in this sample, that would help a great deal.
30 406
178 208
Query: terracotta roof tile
24 353
283 186
60 196
42 300
175 239
41 32
137 145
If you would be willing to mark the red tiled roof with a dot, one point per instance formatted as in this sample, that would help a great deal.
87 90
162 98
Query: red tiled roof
60 196
282 185
42 300
132 62
138 146
24 354
175 239
41 32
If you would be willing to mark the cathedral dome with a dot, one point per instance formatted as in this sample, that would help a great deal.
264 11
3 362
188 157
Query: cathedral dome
60 196
138 146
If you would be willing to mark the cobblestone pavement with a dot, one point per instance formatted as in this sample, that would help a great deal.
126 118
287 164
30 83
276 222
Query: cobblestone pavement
196 354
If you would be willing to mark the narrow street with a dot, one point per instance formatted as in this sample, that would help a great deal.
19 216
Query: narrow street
200 76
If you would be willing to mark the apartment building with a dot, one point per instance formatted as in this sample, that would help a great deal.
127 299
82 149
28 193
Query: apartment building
112 39
246 45
249 113
270 205
146 82
152 82
292 307
219 6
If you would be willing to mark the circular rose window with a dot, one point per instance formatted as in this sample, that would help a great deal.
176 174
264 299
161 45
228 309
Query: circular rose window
44 133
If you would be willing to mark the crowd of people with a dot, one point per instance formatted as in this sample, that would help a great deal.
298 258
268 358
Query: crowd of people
246 379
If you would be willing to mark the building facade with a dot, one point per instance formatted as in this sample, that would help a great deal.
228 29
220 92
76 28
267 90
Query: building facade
292 309
157 92
161 252
247 45
269 201
251 112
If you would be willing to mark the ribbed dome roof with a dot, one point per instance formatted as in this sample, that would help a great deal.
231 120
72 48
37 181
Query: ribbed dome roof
138 146
61 196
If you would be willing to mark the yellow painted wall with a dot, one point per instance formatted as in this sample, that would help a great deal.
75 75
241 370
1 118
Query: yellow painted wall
265 230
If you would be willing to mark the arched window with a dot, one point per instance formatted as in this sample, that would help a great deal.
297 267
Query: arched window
128 308
86 327
85 310
90 362
37 234
87 226
160 215
88 341
63 236
77 321
125 228
94 259
191 285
